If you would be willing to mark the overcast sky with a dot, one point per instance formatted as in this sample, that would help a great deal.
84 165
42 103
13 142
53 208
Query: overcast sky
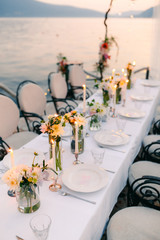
102 5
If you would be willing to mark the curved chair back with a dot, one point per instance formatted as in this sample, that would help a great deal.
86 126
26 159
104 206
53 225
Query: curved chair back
77 76
9 116
57 85
31 98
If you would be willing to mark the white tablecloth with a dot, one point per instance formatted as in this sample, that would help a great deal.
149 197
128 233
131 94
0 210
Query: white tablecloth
73 219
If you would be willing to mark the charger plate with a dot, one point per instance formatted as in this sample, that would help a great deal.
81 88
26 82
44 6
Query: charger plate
85 178
24 156
106 138
131 113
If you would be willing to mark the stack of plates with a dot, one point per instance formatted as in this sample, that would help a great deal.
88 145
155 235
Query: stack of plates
111 138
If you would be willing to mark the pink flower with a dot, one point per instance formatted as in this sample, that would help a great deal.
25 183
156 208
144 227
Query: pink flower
43 128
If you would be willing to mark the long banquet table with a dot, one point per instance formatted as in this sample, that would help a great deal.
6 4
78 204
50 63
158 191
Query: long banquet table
73 219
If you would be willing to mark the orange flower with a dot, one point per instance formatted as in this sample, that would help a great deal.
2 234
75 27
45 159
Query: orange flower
104 45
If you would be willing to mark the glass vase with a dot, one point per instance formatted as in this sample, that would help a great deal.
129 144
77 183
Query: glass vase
28 198
118 95
57 152
95 123
129 84
105 97
80 141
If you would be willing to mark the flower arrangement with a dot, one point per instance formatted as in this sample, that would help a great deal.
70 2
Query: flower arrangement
62 63
53 126
130 66
25 180
96 108
104 56
73 117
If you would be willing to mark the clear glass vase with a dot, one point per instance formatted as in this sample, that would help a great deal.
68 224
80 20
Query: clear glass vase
129 74
57 152
105 97
95 123
80 141
28 198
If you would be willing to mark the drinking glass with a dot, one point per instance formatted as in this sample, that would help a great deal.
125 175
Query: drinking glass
40 225
98 155
121 123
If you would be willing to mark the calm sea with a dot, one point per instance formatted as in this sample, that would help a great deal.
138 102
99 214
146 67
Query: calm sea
29 46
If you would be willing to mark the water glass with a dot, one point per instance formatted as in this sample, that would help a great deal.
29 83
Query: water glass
98 155
121 123
40 225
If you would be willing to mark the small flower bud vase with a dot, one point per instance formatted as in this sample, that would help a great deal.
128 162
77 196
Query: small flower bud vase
80 141
105 97
95 123
28 198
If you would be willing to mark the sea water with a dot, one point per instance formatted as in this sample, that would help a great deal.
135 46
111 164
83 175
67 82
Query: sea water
29 46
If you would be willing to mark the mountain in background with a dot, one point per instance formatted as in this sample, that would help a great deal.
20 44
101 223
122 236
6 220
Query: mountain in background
31 8
136 14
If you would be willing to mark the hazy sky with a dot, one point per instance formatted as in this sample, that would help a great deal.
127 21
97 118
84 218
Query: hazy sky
102 5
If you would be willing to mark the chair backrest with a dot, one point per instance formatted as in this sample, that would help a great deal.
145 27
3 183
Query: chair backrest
77 76
57 85
9 116
31 97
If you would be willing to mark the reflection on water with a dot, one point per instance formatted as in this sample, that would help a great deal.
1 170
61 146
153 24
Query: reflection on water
29 46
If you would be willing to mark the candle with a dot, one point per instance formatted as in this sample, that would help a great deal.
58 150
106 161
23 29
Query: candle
123 74
84 98
53 155
134 63
12 157
76 138
115 87
113 72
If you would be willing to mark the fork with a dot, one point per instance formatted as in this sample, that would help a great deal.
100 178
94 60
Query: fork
72 195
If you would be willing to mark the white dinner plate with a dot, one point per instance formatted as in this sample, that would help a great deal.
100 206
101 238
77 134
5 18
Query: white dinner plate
110 138
141 97
85 178
131 113
150 83
24 156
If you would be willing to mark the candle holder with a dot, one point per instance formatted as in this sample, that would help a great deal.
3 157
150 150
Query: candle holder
76 161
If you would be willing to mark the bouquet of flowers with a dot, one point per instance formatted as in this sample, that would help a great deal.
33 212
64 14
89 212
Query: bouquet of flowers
73 117
129 68
104 56
96 108
62 63
54 126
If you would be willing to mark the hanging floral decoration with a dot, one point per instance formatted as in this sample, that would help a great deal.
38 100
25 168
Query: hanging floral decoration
62 63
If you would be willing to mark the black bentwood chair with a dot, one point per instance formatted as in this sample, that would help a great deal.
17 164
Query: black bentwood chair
31 101
77 78
58 91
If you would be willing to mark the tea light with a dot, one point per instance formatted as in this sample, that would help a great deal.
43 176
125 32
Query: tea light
12 158
84 98
134 63
76 138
